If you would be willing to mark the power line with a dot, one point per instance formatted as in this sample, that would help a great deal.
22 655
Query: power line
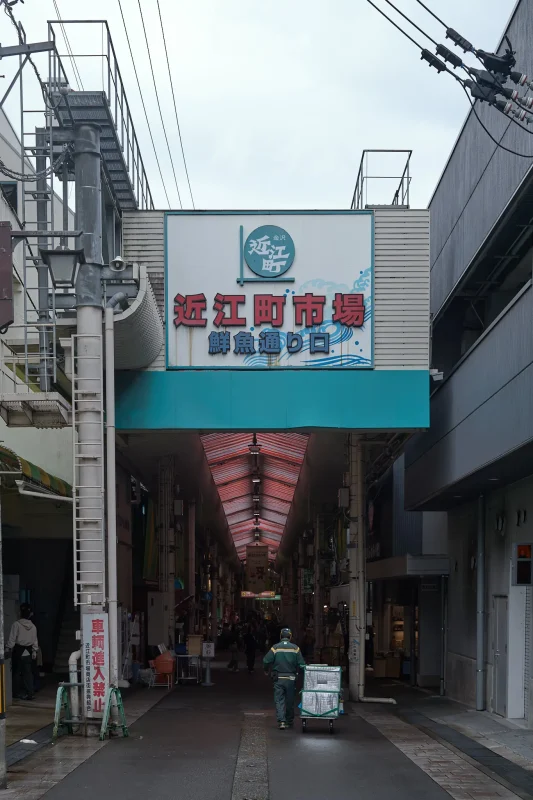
410 21
432 13
70 53
158 102
395 24
489 134
441 67
9 11
174 100
143 103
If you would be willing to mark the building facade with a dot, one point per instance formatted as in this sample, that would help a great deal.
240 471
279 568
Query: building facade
475 462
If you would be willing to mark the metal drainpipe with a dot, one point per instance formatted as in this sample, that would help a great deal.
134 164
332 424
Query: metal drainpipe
41 206
87 158
118 300
74 689
480 618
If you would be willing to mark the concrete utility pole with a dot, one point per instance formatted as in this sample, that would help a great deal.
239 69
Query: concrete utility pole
357 610
89 449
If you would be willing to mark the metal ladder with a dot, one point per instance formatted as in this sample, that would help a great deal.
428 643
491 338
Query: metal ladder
88 499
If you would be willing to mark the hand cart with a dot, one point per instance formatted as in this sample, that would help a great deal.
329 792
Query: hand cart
188 668
320 695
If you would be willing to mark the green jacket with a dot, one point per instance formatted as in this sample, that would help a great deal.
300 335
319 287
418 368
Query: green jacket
284 658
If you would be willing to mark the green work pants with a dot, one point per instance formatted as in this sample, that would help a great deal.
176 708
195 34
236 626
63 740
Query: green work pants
284 691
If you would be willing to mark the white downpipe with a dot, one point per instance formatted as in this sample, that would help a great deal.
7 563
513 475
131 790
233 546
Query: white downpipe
111 497
73 678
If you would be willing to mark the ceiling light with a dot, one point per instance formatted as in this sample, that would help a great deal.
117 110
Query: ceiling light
256 479
494 479
256 498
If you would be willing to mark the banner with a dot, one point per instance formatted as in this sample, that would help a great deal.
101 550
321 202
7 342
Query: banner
256 568
95 641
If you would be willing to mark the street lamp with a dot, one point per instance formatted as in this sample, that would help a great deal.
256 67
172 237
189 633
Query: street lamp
62 263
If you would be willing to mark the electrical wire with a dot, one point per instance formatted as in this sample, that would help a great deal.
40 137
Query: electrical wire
70 53
143 103
432 13
34 176
395 24
174 100
489 134
410 21
8 10
158 102
461 82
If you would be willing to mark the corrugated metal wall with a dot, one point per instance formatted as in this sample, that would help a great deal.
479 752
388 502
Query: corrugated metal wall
401 302
480 178
401 333
143 239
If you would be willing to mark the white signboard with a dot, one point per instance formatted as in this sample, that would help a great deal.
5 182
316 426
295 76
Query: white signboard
95 643
269 290
208 650
256 568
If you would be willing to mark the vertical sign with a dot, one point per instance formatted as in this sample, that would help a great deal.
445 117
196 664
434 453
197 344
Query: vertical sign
256 568
95 641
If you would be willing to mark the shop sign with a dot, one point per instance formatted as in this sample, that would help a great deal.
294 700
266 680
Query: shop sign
269 290
95 642
208 649
256 568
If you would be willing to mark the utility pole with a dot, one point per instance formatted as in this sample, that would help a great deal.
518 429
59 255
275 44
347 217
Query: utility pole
357 610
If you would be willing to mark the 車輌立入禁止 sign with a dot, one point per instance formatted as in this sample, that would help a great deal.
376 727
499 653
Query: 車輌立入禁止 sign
256 568
95 663
269 290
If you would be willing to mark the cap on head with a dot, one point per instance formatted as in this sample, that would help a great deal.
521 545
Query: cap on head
286 633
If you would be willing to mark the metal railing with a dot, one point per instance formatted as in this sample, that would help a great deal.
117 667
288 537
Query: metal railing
360 199
113 87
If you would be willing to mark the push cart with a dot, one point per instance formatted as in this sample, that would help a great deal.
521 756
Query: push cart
320 695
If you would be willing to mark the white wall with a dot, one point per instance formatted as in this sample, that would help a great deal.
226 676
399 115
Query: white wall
50 449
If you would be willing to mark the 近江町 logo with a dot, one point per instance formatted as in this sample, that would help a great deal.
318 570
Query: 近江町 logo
269 252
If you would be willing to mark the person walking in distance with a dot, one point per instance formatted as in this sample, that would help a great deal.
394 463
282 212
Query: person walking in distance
250 646
284 660
23 646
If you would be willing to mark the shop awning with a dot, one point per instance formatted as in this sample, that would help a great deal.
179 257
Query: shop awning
38 479
407 567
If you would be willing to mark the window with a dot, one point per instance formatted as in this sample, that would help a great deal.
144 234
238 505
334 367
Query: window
9 191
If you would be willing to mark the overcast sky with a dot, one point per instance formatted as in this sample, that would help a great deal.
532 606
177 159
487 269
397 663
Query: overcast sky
277 99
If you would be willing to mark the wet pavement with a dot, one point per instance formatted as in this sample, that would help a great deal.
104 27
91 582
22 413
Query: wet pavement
222 743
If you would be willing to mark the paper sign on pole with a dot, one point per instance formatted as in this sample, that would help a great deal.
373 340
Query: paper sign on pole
256 568
95 660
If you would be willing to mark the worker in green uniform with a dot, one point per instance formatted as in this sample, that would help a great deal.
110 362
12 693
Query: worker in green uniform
283 660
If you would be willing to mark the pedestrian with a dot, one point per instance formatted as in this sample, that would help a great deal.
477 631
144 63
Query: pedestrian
23 646
233 665
283 661
250 646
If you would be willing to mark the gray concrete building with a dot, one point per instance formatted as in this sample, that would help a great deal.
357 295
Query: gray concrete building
475 464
